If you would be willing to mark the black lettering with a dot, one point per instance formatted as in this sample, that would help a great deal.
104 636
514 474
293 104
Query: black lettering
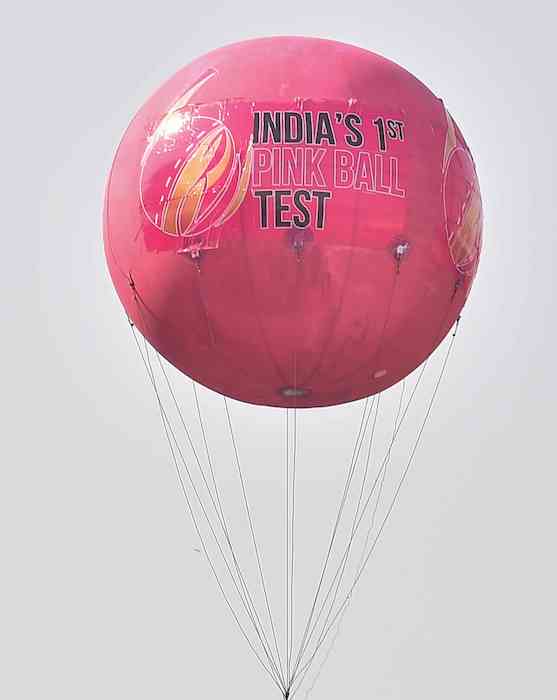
293 119
355 137
263 196
256 117
309 127
271 127
280 208
391 128
380 124
321 197
324 129
301 221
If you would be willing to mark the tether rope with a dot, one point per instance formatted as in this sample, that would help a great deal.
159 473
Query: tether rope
250 521
364 480
287 543
236 562
372 490
300 675
355 453
174 449
217 506
358 517
292 531
247 602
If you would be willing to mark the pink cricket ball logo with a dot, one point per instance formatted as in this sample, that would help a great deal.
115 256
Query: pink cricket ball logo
193 177
462 202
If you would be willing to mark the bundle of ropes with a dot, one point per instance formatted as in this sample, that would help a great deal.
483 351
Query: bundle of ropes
288 647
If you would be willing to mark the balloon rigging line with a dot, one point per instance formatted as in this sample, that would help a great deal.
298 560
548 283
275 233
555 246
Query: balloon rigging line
227 534
355 457
366 542
287 541
250 611
292 531
168 430
212 471
217 507
250 521
386 517
350 474
380 477
221 521
372 490
344 559
345 556
290 527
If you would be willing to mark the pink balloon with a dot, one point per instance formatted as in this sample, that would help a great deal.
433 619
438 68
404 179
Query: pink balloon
293 221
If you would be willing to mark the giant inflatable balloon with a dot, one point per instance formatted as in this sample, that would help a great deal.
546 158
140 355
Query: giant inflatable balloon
293 221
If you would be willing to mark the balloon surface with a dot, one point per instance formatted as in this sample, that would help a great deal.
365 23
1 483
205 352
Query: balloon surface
293 221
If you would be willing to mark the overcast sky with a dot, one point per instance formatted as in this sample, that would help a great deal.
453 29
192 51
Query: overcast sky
103 593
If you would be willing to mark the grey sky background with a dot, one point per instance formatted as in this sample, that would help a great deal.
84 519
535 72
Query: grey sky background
102 592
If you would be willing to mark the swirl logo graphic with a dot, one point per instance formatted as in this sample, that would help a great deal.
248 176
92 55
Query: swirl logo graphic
193 176
462 203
